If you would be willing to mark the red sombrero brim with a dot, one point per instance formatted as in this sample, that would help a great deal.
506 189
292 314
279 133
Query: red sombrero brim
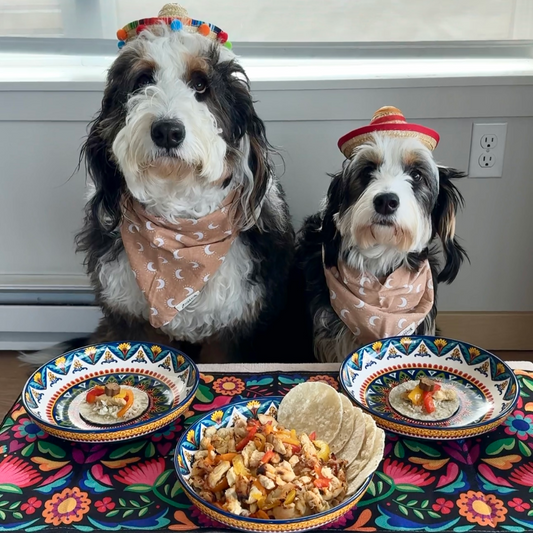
427 136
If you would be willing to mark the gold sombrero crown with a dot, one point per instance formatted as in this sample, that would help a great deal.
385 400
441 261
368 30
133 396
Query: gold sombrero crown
175 16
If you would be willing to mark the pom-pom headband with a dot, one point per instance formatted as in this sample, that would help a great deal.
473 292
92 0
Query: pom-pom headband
389 121
177 18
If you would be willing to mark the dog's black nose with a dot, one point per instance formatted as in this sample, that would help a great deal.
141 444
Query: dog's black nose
168 133
386 204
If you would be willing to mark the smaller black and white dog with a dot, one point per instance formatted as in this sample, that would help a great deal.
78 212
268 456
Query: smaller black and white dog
381 216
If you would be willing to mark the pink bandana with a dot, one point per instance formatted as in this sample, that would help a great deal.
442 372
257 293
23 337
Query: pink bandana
173 262
372 310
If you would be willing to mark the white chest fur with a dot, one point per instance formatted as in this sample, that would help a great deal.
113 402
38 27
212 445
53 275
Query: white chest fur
227 298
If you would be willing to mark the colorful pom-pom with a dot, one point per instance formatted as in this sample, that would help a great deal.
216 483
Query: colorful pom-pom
176 25
120 44
204 29
122 34
223 37
228 45
140 28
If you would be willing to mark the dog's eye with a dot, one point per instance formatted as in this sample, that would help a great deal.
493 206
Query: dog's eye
416 175
143 80
198 82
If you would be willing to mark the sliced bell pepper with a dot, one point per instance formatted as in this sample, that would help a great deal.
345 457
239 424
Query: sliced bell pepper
290 497
286 439
238 466
94 393
416 396
429 403
322 449
267 428
251 433
268 455
260 441
312 436
296 449
221 485
211 458
260 487
321 482
129 403
225 457
436 387
262 515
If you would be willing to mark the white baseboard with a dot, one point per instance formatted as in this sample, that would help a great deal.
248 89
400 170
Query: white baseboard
35 327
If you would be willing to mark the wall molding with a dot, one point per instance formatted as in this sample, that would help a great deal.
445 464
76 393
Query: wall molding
36 327
490 330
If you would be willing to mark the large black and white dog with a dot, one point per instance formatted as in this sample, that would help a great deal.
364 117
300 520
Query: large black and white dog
383 210
177 132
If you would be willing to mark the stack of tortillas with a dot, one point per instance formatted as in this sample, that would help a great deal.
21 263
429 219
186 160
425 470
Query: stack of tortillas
351 434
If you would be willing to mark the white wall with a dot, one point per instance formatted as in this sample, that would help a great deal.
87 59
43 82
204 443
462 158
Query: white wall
41 129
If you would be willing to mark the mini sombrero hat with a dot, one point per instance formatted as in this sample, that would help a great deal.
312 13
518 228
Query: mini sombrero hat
389 121
177 18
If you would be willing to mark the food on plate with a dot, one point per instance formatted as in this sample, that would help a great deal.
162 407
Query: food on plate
260 469
346 430
285 466
425 399
312 406
351 449
113 404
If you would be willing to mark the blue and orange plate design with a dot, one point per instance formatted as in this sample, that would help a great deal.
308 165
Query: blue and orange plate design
487 388
53 393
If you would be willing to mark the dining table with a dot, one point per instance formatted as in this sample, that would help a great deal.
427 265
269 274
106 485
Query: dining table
472 485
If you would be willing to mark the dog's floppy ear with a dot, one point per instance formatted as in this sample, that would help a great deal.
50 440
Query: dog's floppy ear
444 214
248 132
331 238
102 211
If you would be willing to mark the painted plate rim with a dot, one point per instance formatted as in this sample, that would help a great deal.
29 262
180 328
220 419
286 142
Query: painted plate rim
112 428
186 487
420 425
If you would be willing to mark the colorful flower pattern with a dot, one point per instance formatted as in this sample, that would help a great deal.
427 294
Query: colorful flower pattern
482 509
458 486
228 386
66 507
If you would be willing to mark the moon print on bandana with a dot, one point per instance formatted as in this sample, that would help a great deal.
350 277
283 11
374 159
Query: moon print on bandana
373 310
174 261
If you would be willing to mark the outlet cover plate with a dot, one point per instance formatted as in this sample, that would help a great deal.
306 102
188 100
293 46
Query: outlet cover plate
476 150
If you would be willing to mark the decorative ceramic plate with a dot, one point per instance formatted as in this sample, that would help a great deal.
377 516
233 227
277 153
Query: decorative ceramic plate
486 387
190 442
167 380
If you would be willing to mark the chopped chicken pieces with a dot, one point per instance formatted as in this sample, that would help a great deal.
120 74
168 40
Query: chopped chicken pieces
257 468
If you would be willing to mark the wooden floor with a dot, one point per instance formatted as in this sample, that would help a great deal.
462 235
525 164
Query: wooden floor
14 374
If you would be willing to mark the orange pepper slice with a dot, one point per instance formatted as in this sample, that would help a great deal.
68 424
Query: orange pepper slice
267 457
129 403
94 393
225 457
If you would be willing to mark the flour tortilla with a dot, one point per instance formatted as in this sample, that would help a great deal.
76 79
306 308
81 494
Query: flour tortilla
141 403
366 451
443 409
346 431
372 464
312 406
351 449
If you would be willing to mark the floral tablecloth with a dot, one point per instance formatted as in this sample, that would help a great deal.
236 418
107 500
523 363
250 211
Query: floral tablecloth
470 485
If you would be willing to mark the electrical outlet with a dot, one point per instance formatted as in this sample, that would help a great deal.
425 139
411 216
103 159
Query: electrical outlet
487 160
487 150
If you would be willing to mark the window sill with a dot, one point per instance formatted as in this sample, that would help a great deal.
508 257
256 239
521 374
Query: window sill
26 71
